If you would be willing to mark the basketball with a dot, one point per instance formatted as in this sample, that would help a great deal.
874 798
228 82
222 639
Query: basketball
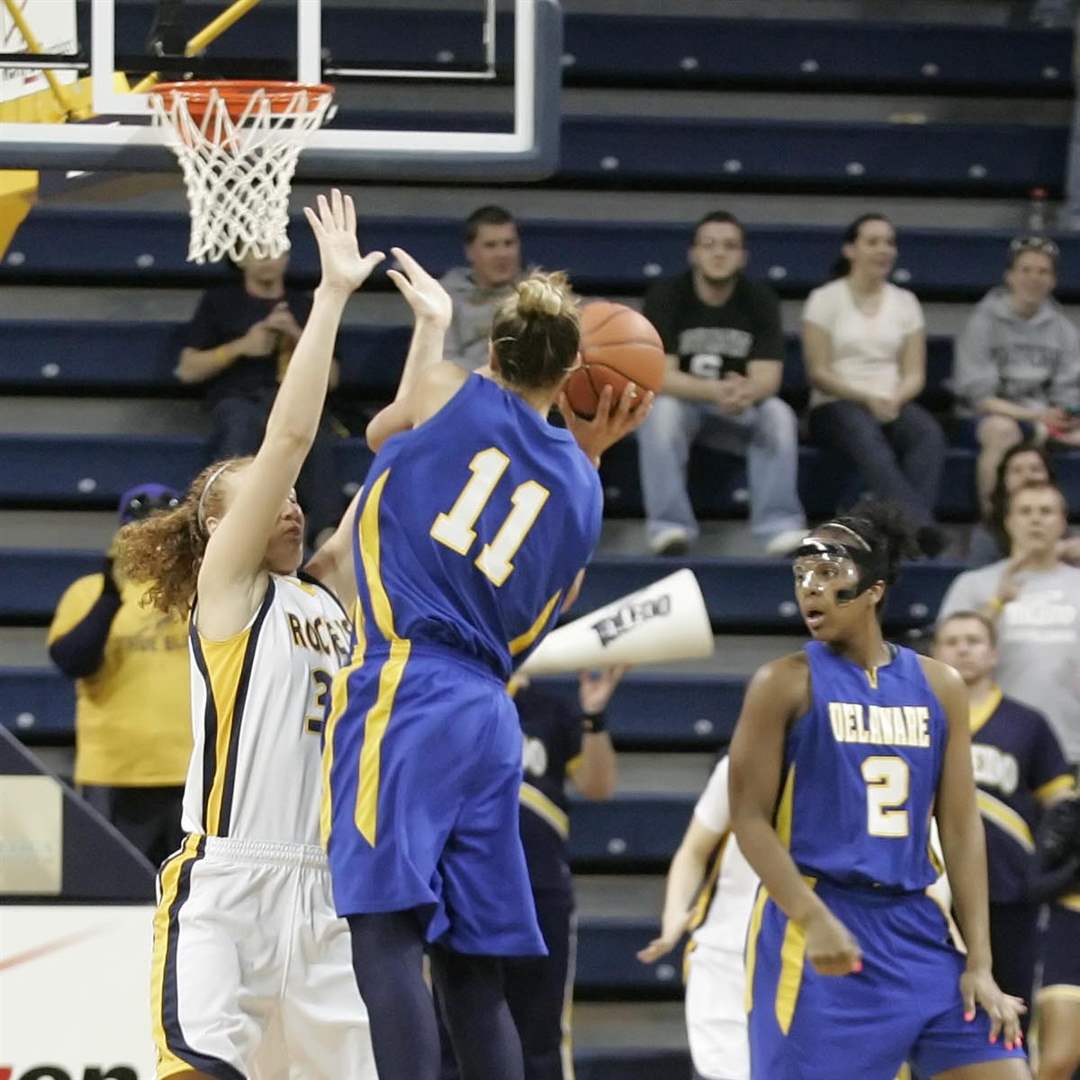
618 345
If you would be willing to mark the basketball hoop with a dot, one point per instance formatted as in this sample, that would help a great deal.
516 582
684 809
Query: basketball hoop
238 143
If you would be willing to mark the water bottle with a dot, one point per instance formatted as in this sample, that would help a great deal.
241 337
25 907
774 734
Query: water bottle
1037 219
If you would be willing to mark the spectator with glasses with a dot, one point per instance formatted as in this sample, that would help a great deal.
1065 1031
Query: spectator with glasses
1017 367
129 664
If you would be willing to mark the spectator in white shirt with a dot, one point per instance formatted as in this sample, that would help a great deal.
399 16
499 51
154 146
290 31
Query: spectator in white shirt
864 346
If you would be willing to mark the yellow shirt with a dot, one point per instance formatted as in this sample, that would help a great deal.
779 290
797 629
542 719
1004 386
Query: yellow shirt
133 715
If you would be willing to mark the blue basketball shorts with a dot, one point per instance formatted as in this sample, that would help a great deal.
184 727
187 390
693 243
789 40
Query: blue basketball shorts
904 1005
423 760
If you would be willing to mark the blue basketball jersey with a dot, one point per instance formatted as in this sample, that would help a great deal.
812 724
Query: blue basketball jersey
861 773
472 527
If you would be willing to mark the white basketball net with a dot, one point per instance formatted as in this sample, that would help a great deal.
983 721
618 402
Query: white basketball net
238 171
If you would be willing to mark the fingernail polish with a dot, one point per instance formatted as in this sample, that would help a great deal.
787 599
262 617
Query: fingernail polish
969 1016
857 967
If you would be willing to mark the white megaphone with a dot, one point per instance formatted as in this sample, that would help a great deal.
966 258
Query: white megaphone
662 623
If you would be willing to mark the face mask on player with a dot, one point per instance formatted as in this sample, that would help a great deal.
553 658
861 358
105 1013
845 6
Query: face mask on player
824 565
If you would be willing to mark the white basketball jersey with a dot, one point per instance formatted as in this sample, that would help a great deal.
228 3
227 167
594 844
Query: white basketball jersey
723 908
257 703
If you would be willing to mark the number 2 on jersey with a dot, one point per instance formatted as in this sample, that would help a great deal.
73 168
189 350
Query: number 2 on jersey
455 529
888 780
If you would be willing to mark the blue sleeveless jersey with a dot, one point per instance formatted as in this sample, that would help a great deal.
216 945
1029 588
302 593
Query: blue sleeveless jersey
861 773
472 527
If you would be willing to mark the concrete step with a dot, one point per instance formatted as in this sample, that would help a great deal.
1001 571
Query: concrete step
655 1024
165 192
670 774
622 896
102 416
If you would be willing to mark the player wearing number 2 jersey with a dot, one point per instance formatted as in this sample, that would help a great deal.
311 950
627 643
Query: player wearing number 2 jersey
476 522
842 755
252 974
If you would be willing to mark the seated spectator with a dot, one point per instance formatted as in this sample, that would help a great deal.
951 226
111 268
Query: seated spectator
1019 769
725 350
1017 366
864 346
238 344
132 713
1033 600
493 251
1022 464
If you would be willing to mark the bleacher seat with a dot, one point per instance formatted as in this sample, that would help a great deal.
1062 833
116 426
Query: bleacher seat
62 244
69 356
94 470
669 712
751 595
636 833
607 963
671 51
720 153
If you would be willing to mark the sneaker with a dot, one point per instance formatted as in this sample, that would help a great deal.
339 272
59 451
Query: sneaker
784 543
670 541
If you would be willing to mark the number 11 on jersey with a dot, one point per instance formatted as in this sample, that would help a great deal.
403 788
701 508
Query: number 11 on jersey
456 528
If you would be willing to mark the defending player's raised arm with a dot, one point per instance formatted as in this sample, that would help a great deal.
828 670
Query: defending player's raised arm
237 546
778 692
427 381
963 844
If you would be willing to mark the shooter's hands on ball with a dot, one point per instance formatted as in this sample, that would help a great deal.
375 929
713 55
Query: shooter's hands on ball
977 987
609 425
829 946
427 298
344 269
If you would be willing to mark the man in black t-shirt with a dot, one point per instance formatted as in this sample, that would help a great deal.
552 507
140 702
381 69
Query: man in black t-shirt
238 345
725 352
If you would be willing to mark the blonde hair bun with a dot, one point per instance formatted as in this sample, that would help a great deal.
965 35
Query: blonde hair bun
544 294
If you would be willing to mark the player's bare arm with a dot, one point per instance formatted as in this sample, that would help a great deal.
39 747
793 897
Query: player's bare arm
232 578
427 381
332 564
964 847
777 694
684 880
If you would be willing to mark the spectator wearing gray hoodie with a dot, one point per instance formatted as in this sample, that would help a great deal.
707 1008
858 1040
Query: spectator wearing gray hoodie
493 251
1017 364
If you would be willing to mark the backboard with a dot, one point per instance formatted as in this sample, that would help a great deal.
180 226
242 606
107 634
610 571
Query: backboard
392 68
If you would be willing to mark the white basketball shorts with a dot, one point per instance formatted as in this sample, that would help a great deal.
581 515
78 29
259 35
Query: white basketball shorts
252 973
716 1014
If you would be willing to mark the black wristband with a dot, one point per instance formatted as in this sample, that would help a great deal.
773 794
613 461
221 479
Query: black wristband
594 724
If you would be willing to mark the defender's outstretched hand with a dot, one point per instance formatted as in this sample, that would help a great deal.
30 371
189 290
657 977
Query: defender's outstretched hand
344 269
427 298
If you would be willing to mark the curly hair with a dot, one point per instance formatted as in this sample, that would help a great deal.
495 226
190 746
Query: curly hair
166 549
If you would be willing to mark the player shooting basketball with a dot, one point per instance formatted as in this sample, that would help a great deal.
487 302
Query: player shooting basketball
475 525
